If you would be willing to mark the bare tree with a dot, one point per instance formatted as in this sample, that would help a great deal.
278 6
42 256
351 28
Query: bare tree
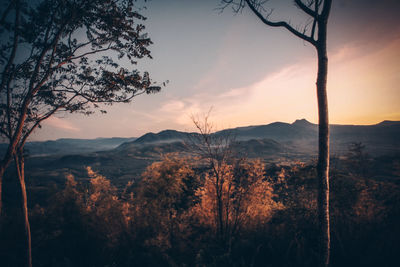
61 56
316 35
216 150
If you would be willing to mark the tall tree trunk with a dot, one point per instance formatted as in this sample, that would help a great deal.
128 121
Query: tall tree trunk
323 147
3 166
219 211
2 170
20 165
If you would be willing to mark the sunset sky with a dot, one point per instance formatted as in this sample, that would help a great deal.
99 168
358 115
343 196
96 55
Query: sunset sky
252 74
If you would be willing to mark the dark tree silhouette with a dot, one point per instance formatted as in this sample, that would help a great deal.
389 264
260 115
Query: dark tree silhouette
318 11
61 56
216 150
357 160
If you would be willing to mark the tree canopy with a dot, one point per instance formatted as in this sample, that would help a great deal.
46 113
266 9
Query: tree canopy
66 56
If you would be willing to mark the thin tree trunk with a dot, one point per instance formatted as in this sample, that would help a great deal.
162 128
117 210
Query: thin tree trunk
2 170
323 148
218 195
19 162
320 22
3 166
219 210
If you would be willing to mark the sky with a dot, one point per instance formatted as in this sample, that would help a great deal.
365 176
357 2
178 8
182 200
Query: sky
251 74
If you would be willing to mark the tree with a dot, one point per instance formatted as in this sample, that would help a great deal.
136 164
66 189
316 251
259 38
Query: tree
357 160
61 56
216 151
246 196
318 11
235 197
164 196
83 224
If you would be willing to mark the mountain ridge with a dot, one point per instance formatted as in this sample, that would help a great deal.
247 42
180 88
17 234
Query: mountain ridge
300 133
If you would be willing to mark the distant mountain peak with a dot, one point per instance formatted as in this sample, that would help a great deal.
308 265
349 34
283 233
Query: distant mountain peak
165 135
302 122
389 123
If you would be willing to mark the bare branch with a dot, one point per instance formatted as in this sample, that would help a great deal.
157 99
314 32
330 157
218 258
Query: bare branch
236 6
306 9
280 24
316 10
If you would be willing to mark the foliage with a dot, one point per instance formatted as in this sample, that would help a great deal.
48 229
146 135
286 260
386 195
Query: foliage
358 161
60 56
317 13
246 196
163 198
167 218
65 56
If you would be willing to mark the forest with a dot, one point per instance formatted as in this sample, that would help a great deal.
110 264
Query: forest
171 217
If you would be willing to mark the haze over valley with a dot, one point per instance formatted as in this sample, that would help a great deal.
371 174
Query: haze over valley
124 159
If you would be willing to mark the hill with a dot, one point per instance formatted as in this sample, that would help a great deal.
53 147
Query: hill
66 146
124 159
301 135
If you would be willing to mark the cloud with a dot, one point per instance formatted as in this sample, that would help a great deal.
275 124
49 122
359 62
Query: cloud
61 124
362 88
173 106
345 53
257 103
236 92
289 93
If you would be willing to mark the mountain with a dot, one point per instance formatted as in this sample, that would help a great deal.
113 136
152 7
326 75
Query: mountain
67 146
389 123
124 159
279 131
301 135
163 136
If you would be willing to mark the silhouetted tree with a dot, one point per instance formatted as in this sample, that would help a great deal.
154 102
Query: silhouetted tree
61 56
318 11
216 151
357 159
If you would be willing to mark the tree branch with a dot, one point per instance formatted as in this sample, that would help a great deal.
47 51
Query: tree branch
326 9
28 98
306 9
316 10
10 61
69 59
34 89
40 120
280 24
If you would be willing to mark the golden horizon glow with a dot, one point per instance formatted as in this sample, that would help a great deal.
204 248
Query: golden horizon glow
363 89
254 75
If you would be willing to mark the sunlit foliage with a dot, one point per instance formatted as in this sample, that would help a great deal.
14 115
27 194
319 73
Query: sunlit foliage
246 196
168 217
